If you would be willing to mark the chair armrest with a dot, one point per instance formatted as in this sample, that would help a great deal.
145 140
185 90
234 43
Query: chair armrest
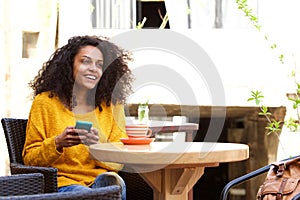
50 174
242 179
22 184
105 193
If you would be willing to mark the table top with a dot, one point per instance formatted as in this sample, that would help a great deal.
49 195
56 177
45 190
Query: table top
170 153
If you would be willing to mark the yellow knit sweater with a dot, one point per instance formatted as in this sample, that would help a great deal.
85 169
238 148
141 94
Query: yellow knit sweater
48 118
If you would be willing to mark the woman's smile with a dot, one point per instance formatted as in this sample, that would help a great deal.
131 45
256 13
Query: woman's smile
87 68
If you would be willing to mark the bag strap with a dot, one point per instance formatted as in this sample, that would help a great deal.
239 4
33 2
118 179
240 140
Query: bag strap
281 188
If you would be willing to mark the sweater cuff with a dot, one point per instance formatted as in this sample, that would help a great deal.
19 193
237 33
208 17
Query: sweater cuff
52 153
110 166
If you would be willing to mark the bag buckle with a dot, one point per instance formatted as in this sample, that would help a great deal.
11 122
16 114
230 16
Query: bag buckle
280 170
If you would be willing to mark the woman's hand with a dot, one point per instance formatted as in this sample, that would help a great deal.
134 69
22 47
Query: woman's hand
71 137
90 137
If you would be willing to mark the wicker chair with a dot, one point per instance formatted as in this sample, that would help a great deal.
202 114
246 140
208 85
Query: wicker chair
21 184
31 187
15 129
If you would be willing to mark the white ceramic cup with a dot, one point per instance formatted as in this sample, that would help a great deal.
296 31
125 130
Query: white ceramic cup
138 131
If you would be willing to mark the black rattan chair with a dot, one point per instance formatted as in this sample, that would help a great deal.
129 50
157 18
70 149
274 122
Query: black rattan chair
21 184
30 187
15 129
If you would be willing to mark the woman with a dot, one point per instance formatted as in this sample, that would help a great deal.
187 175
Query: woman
88 79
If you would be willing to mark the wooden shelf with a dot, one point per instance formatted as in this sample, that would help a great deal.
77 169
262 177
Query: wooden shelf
203 111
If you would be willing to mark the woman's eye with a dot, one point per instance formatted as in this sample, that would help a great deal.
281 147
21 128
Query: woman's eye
86 62
99 65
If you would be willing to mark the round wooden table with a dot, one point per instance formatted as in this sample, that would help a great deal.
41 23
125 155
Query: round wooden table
170 168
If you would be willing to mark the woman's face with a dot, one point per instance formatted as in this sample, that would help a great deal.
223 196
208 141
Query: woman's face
87 67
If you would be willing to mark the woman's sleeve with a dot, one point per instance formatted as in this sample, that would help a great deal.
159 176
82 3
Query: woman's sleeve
118 124
39 150
117 132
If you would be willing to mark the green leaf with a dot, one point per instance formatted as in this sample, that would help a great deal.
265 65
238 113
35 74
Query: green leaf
281 56
274 127
256 96
142 115
273 46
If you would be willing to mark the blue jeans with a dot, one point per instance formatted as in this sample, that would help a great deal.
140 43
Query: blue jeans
105 179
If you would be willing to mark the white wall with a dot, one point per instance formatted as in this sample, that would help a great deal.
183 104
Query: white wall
15 72
242 58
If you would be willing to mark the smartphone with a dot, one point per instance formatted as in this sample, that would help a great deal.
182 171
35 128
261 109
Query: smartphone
84 125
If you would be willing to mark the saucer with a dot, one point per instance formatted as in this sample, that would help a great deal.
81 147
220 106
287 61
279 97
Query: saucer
137 140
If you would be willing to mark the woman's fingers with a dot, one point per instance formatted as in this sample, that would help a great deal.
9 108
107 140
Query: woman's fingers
94 136
86 137
71 137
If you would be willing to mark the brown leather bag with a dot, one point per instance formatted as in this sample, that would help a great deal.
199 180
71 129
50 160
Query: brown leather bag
282 181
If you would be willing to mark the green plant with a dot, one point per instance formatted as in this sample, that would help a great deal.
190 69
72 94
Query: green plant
143 111
273 126
243 6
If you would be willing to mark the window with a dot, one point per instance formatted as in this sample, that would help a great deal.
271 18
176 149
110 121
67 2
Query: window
116 14
29 44
152 11
126 14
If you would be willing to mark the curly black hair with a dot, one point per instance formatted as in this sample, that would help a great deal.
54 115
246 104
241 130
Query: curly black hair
56 75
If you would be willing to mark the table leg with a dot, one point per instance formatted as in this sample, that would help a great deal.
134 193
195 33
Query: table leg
173 183
189 136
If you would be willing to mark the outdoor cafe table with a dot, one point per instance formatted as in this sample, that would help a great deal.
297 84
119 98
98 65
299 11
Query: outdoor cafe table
170 168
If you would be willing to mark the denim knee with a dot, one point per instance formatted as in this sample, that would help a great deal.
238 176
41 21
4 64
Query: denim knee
71 188
110 178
